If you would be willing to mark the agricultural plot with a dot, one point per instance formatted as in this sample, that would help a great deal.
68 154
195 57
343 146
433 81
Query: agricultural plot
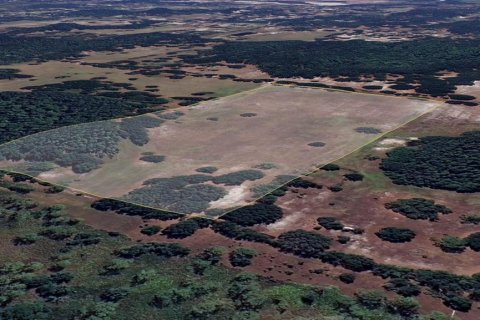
214 156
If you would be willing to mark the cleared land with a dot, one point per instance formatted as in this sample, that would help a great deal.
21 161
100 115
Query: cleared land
255 140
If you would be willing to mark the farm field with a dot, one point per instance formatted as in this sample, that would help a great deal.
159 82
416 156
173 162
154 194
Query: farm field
294 130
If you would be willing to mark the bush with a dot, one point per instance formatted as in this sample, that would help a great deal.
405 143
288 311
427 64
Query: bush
242 257
461 97
151 230
303 243
330 223
418 208
403 287
452 244
470 219
336 188
305 184
25 240
55 189
234 231
396 235
354 176
473 241
153 158
18 187
343 239
114 294
212 255
371 299
347 277
330 167
208 169
405 307
458 303
167 250
239 177
254 214
352 262
186 228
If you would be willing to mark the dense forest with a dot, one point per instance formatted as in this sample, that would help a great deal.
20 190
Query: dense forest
16 49
352 59
449 163
25 113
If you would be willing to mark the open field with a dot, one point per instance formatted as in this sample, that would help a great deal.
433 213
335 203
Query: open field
85 69
255 138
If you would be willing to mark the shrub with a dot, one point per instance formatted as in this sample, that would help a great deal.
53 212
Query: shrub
371 299
452 244
303 243
151 230
347 277
212 255
418 208
245 293
242 257
114 294
25 240
461 97
55 189
234 231
352 262
473 241
470 219
167 250
186 228
458 303
405 307
354 176
305 184
208 169
403 287
343 239
18 187
368 130
254 214
330 167
396 235
239 177
336 188
330 223
317 144
152 158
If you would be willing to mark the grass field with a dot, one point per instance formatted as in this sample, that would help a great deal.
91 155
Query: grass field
294 130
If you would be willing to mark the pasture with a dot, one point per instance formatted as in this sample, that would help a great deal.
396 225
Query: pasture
255 141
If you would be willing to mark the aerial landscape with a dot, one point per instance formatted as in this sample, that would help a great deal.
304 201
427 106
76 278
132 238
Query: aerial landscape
240 159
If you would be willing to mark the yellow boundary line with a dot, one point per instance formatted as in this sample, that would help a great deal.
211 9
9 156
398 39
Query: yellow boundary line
218 98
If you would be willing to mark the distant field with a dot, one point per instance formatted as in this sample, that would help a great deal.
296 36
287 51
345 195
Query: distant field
217 155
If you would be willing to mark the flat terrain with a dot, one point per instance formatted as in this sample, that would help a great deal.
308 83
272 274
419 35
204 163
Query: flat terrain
293 130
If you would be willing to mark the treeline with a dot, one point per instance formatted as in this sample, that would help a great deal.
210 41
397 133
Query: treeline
9 74
25 113
17 49
449 163
102 88
355 58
